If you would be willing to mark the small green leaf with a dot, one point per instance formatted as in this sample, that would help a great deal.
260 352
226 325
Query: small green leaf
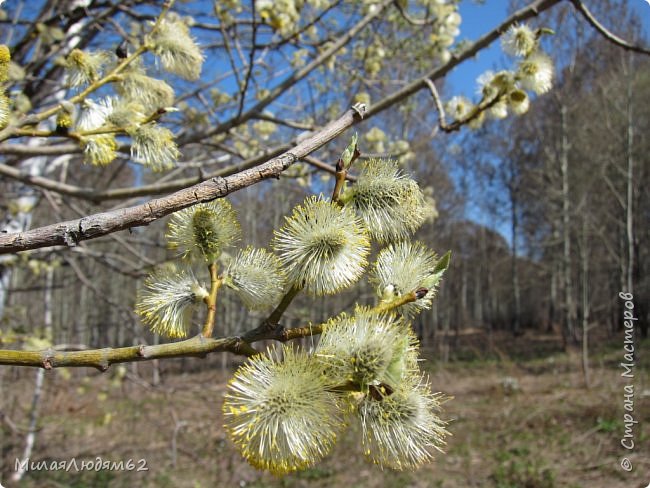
348 155
442 264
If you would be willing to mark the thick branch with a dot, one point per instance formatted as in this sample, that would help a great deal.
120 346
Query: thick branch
71 232
101 359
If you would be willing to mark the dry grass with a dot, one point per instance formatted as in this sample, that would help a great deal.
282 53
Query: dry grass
529 424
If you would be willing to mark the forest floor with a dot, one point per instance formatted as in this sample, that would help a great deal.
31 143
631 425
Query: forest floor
521 417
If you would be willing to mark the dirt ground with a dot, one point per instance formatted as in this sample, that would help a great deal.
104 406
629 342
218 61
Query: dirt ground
520 417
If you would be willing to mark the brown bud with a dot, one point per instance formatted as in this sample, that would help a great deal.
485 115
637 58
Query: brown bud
122 51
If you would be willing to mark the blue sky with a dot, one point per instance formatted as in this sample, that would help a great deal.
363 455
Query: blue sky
477 20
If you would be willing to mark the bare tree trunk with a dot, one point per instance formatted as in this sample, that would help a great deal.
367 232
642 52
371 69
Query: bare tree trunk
5 280
444 336
584 270
569 332
552 310
155 378
478 298
629 210
30 439
462 314
516 323
435 320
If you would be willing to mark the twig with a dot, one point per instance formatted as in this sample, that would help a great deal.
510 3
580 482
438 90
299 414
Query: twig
110 77
276 315
299 74
251 62
607 34
322 165
412 20
211 301
457 124
442 122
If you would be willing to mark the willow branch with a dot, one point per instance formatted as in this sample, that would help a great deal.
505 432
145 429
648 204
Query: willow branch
180 183
74 231
401 300
96 196
607 34
286 123
198 346
251 61
101 359
277 332
46 183
27 150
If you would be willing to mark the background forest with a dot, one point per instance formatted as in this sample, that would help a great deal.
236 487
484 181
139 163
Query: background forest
546 216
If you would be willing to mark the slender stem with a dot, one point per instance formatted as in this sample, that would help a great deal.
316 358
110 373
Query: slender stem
610 36
211 300
338 187
299 332
78 135
165 8
342 174
398 302
283 335
110 77
476 110
276 315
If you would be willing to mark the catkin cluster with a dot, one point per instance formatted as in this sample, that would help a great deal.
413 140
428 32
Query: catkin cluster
138 100
507 90
284 409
